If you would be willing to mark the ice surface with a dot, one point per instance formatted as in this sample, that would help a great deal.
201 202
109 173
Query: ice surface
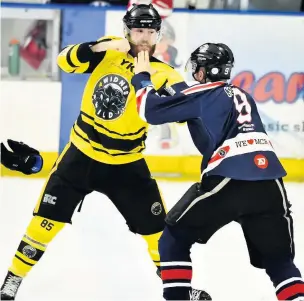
99 259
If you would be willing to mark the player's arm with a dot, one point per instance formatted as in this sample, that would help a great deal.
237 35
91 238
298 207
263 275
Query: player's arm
159 110
22 157
172 84
84 57
175 81
169 90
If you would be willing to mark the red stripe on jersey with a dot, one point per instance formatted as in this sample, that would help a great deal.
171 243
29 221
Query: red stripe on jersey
290 291
139 100
176 274
220 154
202 87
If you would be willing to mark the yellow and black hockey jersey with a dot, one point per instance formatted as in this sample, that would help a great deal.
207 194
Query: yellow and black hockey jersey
108 128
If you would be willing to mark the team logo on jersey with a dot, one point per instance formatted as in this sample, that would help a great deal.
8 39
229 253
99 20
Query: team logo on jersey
222 152
110 96
156 208
261 161
246 127
29 251
49 199
229 91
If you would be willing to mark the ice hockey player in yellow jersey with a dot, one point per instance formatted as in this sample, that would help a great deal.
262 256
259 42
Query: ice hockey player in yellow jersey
106 143
108 128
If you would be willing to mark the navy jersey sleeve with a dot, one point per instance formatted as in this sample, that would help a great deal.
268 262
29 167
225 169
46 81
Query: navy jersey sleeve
158 110
176 88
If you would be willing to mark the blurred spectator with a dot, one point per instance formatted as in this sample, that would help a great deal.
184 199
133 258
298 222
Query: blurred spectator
276 5
164 7
97 3
269 5
34 49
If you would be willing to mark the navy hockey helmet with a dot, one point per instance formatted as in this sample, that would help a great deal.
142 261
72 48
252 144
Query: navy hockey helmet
217 60
142 16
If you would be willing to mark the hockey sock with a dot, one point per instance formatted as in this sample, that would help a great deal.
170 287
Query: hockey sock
152 241
287 280
291 289
176 267
33 244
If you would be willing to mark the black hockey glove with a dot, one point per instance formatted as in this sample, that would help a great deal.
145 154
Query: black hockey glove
179 209
22 158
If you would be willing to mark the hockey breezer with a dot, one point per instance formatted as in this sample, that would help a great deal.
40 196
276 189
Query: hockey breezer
241 175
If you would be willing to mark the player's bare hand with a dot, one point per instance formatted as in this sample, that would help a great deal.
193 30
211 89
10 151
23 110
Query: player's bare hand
142 62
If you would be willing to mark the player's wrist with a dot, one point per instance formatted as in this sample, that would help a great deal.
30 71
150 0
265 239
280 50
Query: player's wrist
141 80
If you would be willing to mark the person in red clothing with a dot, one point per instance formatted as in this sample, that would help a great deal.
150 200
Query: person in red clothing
164 7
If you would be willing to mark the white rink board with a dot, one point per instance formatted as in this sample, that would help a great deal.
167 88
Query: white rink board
30 112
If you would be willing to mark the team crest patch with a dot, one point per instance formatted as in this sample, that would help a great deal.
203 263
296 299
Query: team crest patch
110 96
29 251
156 208
229 91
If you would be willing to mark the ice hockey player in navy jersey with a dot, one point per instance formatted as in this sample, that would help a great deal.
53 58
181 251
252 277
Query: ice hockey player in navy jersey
241 175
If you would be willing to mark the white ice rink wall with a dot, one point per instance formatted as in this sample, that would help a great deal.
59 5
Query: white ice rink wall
269 63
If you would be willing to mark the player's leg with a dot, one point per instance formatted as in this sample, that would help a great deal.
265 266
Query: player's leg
136 195
158 207
201 211
176 265
54 209
269 236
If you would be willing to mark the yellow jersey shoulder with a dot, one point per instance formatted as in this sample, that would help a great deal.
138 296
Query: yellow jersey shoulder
109 38
160 65
166 71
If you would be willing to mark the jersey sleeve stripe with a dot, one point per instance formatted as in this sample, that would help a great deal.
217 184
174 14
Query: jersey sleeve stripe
202 87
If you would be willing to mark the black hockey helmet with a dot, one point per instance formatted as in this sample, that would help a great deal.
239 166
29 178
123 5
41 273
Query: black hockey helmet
142 16
217 59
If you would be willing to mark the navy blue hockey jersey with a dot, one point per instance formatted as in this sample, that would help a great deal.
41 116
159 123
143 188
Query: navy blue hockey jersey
224 124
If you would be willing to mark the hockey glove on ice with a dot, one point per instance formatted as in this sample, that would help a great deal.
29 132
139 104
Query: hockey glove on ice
22 158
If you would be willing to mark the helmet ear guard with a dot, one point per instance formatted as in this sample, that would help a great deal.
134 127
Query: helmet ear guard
219 73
